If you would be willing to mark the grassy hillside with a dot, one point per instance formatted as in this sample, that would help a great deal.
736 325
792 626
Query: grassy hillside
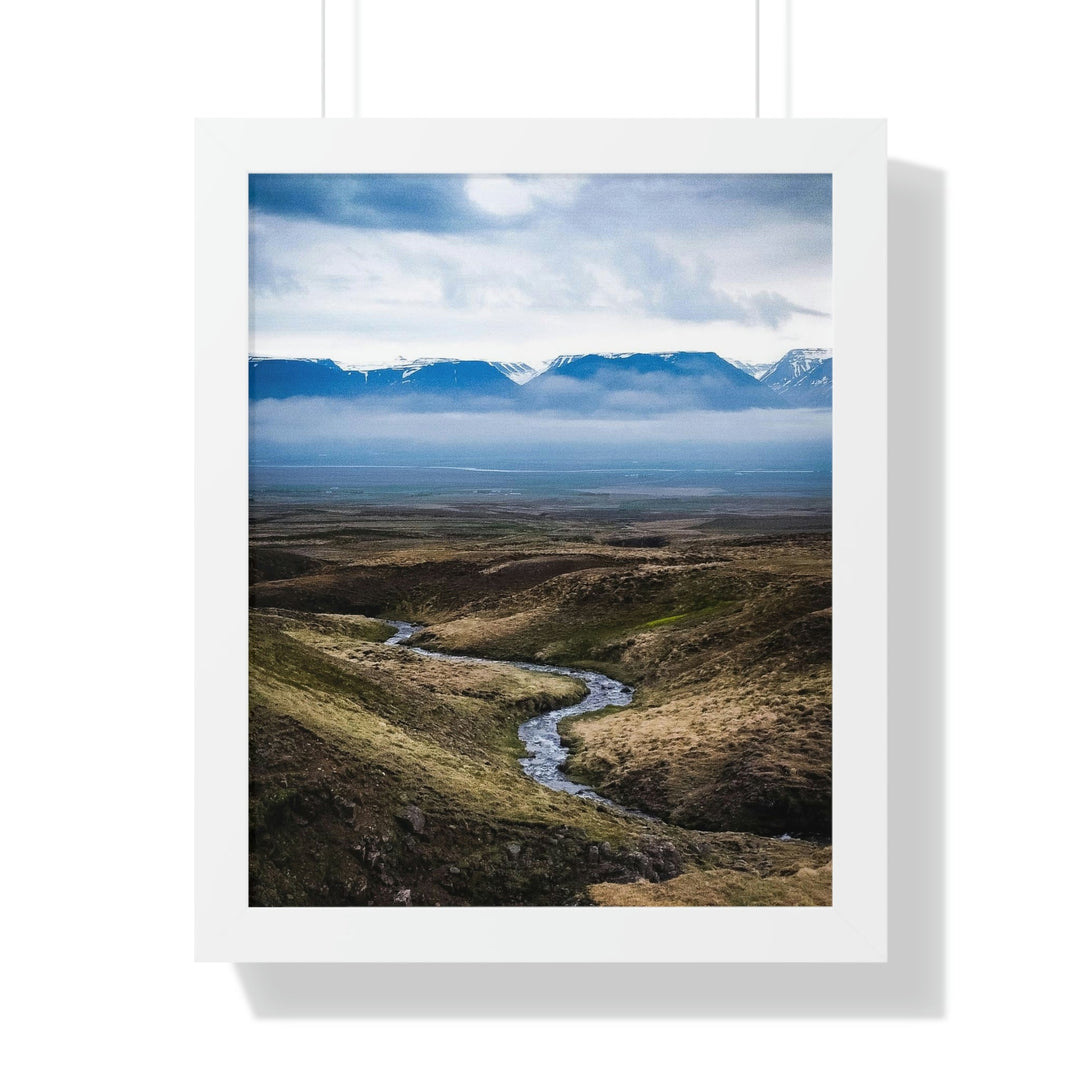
379 776
806 886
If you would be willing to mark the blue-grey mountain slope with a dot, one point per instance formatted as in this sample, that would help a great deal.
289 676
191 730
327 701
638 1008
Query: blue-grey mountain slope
447 381
273 378
648 382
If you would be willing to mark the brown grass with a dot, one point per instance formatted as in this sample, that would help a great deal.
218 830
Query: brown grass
806 887
348 738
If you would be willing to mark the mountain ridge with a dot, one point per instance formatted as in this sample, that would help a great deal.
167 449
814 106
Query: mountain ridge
702 380
579 382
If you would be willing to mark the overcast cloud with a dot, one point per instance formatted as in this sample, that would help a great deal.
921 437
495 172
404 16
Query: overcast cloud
363 269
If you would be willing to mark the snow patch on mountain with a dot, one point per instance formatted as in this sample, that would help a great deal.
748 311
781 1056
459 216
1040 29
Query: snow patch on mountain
322 361
755 370
793 365
566 359
803 377
520 373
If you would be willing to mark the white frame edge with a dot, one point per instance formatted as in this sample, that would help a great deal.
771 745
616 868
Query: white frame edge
854 929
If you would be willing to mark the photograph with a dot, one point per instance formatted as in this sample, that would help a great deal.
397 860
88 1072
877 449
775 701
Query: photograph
540 539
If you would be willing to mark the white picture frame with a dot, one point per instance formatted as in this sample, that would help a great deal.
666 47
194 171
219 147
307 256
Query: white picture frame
854 928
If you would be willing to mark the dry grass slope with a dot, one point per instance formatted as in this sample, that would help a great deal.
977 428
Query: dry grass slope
379 776
806 887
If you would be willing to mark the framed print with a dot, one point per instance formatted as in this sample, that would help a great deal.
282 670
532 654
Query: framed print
555 455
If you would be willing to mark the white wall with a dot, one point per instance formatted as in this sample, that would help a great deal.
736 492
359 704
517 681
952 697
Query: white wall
97 242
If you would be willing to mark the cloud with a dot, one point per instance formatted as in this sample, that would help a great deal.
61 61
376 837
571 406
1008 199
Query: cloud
690 203
409 202
512 196
602 204
773 310
384 201
687 290
305 422
420 262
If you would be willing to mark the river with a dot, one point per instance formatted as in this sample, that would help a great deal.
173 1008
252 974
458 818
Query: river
545 754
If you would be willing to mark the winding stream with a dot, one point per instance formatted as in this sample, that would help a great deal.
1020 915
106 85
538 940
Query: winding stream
545 754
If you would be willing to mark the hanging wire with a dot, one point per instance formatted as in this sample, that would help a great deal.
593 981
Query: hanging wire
757 59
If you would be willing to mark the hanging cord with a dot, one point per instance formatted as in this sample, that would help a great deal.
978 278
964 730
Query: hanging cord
339 58
773 48
788 49
757 59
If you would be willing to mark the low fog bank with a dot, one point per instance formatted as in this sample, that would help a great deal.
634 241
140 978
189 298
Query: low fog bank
325 422
319 432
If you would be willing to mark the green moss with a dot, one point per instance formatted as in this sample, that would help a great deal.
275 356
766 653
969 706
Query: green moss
719 608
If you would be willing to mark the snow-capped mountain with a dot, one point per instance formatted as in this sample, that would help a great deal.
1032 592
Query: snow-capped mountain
793 365
516 372
274 377
444 378
813 389
661 381
803 377
583 382
455 378
570 358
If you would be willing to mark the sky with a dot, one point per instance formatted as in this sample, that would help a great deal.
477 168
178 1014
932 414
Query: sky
368 269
